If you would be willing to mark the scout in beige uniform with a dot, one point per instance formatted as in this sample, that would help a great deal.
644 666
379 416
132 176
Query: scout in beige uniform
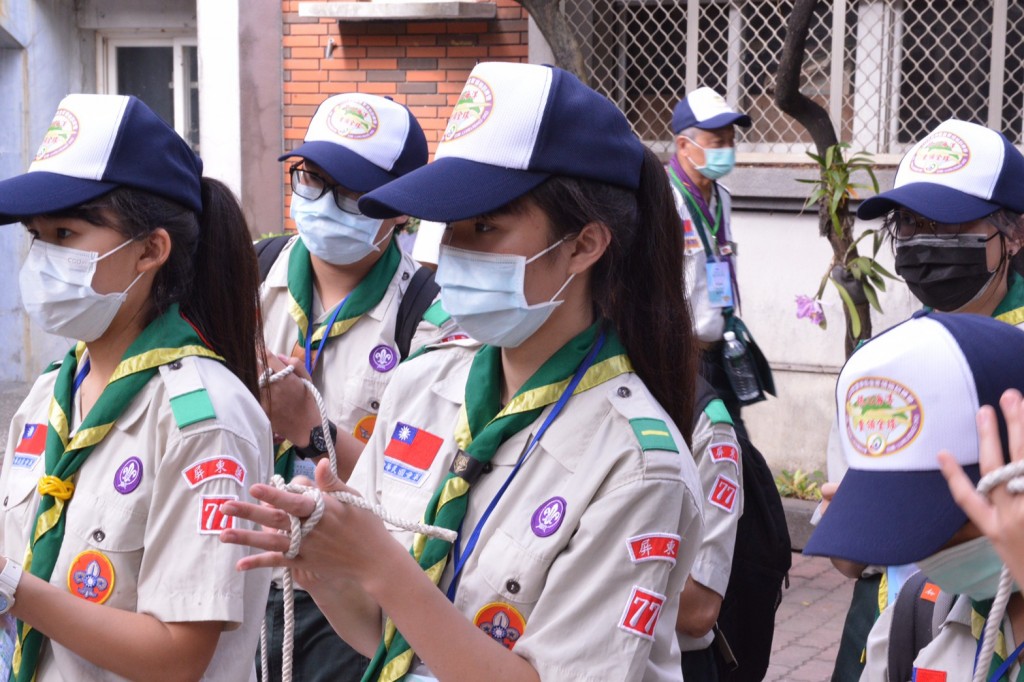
121 455
333 302
721 476
552 450
902 398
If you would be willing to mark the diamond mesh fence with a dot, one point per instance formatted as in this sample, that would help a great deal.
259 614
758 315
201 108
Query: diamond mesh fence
898 68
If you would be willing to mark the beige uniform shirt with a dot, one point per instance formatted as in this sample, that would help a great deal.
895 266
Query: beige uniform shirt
721 477
574 564
354 368
951 652
136 507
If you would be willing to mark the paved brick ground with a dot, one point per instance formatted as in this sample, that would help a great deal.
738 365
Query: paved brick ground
809 622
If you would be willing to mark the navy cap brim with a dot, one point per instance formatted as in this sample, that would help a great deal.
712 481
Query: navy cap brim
450 189
345 167
888 518
722 120
43 192
935 202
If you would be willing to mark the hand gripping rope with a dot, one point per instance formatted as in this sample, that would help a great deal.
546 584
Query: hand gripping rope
1013 476
300 528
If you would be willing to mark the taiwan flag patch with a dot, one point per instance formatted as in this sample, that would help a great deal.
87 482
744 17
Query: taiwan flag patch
31 445
409 454
925 675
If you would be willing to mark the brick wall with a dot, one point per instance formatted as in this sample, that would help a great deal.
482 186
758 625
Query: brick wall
422 64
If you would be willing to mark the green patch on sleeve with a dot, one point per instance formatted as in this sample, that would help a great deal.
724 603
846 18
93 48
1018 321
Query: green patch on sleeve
717 413
436 315
653 434
192 407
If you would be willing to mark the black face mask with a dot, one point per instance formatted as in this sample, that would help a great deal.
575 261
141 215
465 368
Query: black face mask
945 273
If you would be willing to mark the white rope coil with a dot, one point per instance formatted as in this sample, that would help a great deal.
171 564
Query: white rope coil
300 528
1012 475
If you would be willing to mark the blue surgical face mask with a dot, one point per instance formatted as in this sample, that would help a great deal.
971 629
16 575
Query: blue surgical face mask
718 161
334 235
484 293
971 568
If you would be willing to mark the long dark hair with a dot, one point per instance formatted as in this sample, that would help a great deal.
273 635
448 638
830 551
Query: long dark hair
211 270
637 285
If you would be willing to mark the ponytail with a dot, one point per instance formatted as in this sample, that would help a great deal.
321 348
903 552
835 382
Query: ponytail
637 285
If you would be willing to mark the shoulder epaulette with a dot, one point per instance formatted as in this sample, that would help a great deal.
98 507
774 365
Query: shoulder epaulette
717 412
189 399
653 434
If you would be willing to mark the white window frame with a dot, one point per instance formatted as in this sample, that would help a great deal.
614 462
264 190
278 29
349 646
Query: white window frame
106 66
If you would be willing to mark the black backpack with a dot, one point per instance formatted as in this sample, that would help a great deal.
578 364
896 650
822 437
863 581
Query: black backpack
418 297
919 610
760 565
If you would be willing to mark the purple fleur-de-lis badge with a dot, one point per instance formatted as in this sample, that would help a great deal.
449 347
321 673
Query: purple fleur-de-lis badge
128 475
383 358
548 517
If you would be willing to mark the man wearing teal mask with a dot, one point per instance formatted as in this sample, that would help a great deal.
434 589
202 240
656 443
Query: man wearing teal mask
704 128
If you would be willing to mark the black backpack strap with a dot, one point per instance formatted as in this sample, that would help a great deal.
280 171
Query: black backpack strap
705 394
267 251
418 297
919 609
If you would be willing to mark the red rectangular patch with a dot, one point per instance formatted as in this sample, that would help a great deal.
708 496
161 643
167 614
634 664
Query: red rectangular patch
33 440
214 467
724 452
641 614
413 446
723 493
930 591
654 547
211 520
691 241
925 675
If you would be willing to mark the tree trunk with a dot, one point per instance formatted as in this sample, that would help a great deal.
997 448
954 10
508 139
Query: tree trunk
816 120
561 36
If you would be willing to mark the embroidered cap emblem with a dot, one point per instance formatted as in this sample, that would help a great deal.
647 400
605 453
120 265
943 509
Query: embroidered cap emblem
548 517
471 111
128 476
354 120
383 358
882 416
941 152
61 134
91 577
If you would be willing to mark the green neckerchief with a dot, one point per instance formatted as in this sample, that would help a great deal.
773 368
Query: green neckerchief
1011 308
979 612
696 213
482 428
363 298
168 338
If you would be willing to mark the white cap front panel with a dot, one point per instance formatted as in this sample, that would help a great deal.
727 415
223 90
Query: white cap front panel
960 155
81 137
705 103
373 127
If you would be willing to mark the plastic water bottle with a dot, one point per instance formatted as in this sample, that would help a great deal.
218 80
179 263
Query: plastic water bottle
740 369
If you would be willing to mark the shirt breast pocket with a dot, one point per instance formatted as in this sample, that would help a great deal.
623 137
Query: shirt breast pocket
511 571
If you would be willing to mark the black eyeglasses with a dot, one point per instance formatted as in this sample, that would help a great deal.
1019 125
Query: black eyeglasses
312 186
906 224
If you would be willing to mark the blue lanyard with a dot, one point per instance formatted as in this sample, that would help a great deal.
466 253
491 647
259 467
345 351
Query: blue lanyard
1007 664
311 361
83 371
462 557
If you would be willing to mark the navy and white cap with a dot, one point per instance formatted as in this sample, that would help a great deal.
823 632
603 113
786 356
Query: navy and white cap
95 144
958 173
513 127
902 397
707 110
363 141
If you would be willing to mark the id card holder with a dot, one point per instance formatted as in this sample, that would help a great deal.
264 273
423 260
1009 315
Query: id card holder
719 284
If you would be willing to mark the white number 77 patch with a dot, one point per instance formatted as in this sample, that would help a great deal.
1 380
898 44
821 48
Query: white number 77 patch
211 519
641 614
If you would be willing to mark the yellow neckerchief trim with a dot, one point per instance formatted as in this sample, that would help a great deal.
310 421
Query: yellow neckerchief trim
159 356
542 396
1014 317
883 591
397 668
337 329
978 627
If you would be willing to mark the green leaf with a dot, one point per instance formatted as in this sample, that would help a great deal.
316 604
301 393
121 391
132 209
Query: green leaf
877 267
855 326
872 296
830 156
820 161
877 280
821 287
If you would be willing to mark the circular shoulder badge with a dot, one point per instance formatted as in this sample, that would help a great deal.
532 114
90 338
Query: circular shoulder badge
471 111
61 134
383 358
91 577
548 517
364 428
502 622
941 152
354 120
882 416
128 476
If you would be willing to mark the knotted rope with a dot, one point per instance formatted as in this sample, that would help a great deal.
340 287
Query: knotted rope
300 528
1013 476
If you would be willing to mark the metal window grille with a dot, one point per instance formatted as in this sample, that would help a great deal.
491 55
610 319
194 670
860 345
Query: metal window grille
886 70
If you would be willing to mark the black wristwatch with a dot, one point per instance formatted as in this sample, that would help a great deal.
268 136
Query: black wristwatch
317 442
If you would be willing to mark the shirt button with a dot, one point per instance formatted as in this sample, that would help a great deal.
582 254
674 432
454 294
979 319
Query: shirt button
624 392
405 276
5 501
375 405
99 536
488 468
175 365
512 587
